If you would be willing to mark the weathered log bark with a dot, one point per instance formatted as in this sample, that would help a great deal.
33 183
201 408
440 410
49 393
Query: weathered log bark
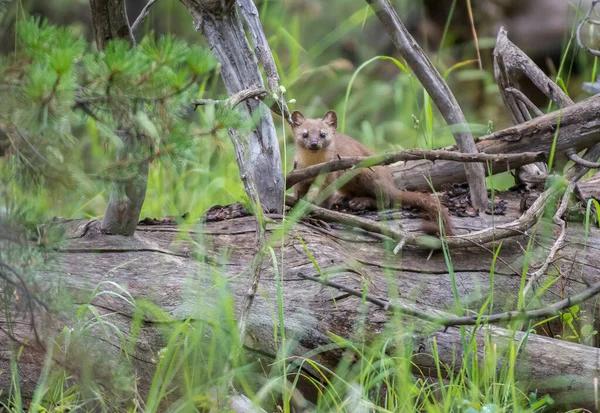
576 127
156 262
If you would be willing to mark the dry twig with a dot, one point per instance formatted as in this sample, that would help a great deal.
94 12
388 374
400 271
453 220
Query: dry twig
558 220
448 320
142 16
572 155
406 238
410 155
587 19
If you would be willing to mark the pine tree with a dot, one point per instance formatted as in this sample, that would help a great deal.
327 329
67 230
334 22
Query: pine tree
54 88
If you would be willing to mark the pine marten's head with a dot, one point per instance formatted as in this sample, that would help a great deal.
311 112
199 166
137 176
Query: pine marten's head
314 134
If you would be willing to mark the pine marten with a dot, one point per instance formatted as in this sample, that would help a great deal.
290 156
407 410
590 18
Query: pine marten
317 141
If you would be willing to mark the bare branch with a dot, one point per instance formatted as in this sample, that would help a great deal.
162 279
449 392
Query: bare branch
432 316
241 96
410 155
558 244
440 93
574 127
236 98
585 20
511 63
403 237
577 171
572 155
525 100
142 16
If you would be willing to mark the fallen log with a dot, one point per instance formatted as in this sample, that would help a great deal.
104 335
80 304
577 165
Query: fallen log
159 263
576 127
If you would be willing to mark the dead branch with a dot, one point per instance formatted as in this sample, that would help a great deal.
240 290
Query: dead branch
587 19
235 99
440 93
577 171
353 221
525 100
510 65
558 243
506 160
142 16
437 317
516 227
257 93
265 57
572 155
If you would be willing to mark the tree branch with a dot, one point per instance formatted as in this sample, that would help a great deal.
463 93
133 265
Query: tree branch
398 235
300 175
235 99
265 57
572 155
447 321
574 127
525 100
142 16
585 20
558 220
241 96
440 93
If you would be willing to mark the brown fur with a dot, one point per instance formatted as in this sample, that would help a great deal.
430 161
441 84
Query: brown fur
317 141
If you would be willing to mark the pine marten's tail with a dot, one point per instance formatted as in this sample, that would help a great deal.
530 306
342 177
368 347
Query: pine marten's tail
430 206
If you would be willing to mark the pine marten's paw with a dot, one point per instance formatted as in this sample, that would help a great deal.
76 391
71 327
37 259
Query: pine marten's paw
362 204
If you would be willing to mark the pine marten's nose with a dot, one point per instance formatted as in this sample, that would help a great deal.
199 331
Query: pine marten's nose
314 145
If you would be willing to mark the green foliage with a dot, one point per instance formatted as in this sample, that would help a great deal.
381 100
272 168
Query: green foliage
62 106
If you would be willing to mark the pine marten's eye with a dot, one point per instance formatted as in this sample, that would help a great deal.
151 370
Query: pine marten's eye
305 134
323 134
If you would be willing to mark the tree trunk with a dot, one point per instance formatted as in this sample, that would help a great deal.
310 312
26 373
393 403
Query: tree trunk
127 197
258 152
109 19
156 262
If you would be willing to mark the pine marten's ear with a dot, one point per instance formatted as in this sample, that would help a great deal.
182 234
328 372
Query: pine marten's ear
330 119
297 118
